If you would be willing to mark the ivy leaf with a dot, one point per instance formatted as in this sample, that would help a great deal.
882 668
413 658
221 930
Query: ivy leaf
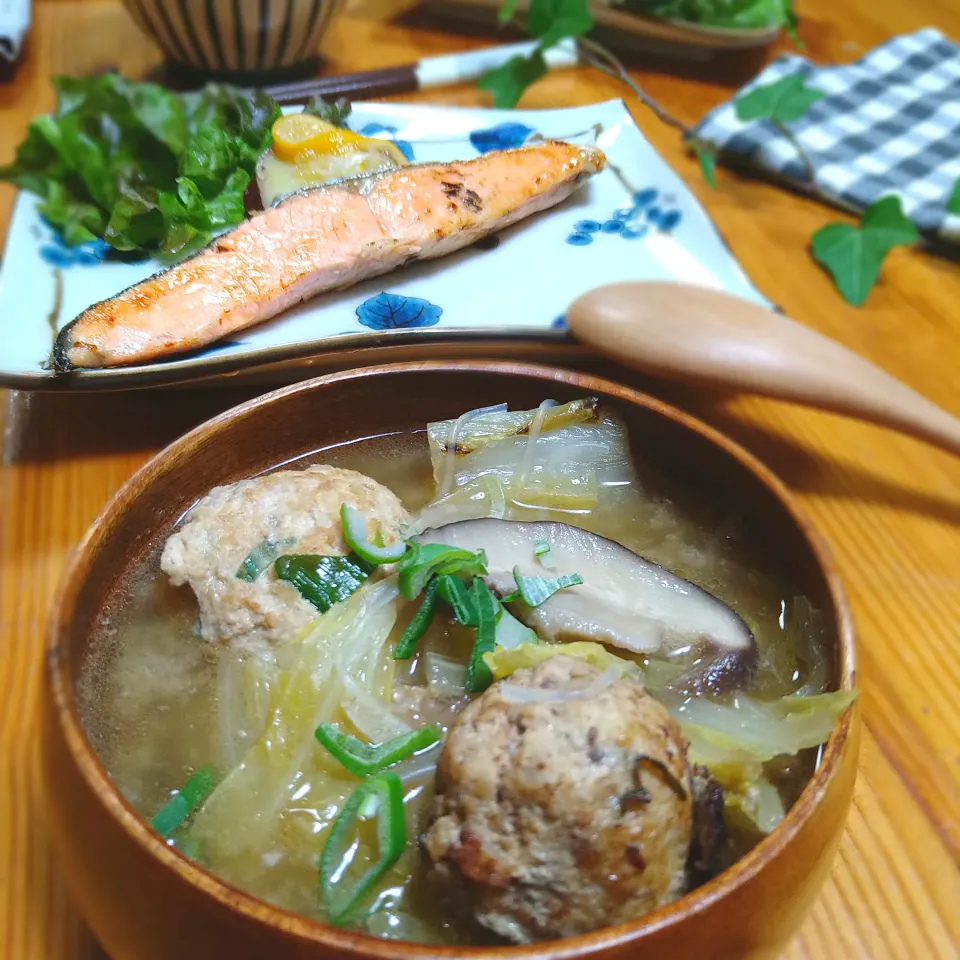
506 11
508 81
707 158
953 203
333 111
550 21
790 27
554 20
853 255
784 101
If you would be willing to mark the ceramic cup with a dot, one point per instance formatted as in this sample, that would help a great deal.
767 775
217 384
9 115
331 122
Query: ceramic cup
237 39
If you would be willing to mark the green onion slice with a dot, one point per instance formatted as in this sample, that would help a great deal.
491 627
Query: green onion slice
487 606
260 557
541 552
355 533
384 794
534 590
454 591
184 802
365 759
423 560
323 581
511 633
417 627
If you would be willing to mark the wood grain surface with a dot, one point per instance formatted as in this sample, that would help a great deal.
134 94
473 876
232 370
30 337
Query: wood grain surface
888 505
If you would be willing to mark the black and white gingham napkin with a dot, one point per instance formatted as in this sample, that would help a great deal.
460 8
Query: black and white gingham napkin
889 123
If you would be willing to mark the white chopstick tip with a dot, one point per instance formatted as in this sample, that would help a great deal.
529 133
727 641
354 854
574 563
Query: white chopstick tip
469 65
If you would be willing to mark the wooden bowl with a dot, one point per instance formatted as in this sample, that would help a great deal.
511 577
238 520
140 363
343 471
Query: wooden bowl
145 902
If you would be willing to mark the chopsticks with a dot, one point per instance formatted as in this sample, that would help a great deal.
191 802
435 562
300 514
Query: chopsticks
423 75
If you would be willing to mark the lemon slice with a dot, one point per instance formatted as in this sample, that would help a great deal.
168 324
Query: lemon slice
340 142
293 132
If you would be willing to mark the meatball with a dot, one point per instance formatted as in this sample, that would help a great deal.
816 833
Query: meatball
299 512
554 818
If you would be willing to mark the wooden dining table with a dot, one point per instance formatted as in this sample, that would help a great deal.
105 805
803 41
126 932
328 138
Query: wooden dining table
889 506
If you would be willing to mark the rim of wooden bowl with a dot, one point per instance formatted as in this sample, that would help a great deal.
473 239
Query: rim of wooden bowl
364 945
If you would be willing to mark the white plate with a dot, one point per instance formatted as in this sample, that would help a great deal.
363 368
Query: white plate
634 221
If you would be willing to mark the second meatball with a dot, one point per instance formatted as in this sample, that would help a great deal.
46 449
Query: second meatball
558 813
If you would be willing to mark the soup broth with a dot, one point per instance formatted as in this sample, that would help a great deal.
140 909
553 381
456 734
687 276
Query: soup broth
154 695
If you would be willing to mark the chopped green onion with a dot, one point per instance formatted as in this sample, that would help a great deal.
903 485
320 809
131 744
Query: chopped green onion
369 807
417 627
365 759
541 552
511 633
260 557
340 898
184 802
454 591
323 581
487 606
534 590
423 560
354 525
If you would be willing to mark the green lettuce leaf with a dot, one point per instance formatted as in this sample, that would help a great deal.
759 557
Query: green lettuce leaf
147 170
78 222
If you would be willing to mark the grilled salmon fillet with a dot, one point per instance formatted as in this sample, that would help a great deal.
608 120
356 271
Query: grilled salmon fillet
326 239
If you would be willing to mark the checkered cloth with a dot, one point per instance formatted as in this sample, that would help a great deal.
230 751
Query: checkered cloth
889 123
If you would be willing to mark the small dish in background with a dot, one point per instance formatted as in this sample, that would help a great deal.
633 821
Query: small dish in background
629 31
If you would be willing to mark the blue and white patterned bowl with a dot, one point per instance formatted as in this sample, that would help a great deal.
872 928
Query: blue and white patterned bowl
236 38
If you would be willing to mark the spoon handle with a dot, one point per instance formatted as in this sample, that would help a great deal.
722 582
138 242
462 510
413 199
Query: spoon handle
708 338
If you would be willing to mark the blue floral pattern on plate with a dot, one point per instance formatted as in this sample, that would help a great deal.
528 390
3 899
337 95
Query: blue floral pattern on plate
378 130
389 311
503 136
632 223
58 254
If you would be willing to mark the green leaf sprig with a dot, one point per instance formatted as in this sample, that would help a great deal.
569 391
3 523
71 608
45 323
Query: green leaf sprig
549 21
853 255
781 102
953 201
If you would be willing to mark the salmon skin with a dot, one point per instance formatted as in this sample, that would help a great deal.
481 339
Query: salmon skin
324 239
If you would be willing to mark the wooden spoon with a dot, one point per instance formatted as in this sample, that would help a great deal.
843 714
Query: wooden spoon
705 337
